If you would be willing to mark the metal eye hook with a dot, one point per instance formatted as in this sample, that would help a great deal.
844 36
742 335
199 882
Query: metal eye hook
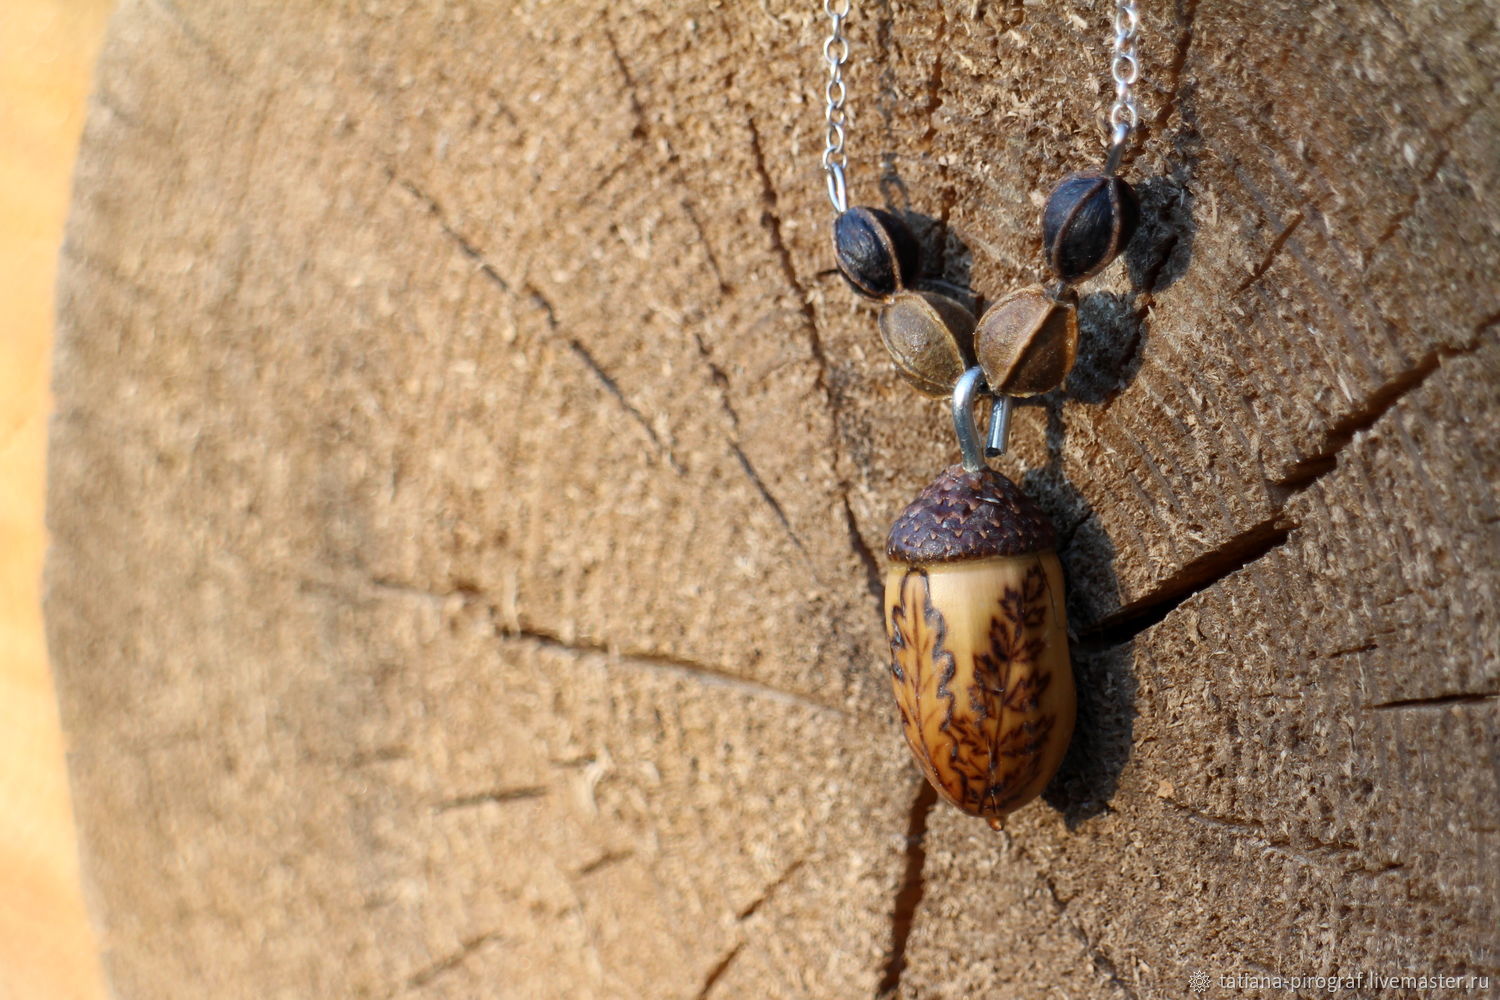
966 392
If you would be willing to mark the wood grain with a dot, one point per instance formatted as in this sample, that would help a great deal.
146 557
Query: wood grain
468 474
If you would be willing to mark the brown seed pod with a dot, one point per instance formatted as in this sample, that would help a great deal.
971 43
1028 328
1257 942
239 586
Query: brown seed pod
1089 218
979 642
930 337
1027 342
876 253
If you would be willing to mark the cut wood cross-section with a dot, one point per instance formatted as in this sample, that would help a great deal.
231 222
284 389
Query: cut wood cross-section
469 485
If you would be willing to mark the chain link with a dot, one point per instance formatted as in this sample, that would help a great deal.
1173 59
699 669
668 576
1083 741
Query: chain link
835 54
1125 68
1124 114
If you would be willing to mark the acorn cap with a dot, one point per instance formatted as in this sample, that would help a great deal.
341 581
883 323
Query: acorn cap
969 515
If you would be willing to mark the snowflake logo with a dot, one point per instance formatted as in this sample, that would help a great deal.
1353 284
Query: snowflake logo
1198 981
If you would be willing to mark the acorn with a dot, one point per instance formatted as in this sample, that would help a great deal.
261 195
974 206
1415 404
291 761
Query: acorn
979 642
1089 218
1027 342
930 337
877 255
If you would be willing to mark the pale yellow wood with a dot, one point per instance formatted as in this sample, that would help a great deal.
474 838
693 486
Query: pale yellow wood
47 949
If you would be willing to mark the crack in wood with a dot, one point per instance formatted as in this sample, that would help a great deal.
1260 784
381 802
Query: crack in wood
380 755
1437 701
534 295
721 382
1279 241
701 673
909 891
770 890
935 81
770 221
717 972
766 494
1102 962
1242 549
464 244
605 860
447 964
613 388
1307 470
644 131
1364 647
1187 15
494 796
1259 540
1315 853
874 579
189 30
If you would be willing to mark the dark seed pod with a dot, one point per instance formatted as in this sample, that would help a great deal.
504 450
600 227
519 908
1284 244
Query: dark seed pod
876 253
1089 218
930 337
1027 342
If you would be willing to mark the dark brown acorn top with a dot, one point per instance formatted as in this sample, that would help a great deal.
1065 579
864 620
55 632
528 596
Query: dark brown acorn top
969 515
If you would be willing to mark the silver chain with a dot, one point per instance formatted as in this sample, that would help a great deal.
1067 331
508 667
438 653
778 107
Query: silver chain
835 54
1124 116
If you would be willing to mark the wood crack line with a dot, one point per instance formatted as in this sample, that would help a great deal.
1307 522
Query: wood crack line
663 663
720 380
1097 955
1269 534
770 890
534 296
717 972
722 966
1187 15
771 222
1306 471
1258 272
909 890
494 796
1316 854
1437 701
467 948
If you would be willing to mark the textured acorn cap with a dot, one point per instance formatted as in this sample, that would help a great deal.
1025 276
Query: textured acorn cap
969 515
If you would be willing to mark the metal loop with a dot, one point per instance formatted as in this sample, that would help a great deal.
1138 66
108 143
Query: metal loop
835 56
838 191
966 392
1118 137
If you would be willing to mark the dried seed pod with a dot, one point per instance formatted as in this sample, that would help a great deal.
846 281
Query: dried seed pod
1089 218
1027 342
875 251
930 337
979 642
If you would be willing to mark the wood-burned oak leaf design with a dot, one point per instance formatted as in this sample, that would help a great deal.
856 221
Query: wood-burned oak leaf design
918 658
1011 679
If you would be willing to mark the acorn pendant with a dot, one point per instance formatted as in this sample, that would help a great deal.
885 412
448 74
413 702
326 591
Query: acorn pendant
979 643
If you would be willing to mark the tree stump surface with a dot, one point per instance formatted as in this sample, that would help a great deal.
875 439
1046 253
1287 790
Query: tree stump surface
469 484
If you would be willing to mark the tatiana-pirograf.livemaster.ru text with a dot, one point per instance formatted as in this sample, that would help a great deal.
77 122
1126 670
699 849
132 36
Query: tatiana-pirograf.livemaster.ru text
1361 983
